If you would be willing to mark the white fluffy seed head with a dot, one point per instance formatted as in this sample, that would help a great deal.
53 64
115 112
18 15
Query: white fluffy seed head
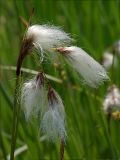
33 98
91 71
53 121
112 100
46 37
107 60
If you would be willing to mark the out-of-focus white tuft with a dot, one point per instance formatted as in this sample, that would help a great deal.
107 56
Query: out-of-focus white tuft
107 60
33 98
92 72
116 47
112 100
46 37
53 121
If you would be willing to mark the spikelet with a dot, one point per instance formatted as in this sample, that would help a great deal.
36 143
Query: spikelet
91 71
112 100
33 96
53 121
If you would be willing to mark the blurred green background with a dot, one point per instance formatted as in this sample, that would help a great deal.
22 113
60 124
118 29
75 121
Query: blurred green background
95 26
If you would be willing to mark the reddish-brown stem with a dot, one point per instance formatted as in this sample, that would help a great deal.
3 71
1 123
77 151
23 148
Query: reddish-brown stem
27 44
62 144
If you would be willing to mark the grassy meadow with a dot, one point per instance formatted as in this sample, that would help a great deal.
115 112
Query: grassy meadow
95 26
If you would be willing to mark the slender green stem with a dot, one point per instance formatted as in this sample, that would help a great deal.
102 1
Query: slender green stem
16 109
108 122
26 70
2 145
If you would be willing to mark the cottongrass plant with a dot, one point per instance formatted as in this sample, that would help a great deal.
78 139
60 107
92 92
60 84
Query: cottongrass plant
40 37
34 97
91 71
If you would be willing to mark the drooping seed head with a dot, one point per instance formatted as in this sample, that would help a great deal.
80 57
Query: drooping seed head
53 121
33 96
91 71
47 37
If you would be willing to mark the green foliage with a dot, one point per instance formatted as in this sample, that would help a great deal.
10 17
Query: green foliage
95 25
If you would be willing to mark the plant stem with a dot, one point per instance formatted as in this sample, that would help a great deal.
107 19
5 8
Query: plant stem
62 149
108 121
16 109
30 71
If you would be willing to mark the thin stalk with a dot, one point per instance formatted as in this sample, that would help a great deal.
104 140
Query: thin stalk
30 71
24 51
16 109
62 144
2 145
108 122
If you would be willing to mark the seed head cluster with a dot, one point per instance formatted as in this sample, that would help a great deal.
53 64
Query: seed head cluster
39 98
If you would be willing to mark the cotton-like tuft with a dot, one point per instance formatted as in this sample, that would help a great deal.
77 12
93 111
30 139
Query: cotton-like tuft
92 72
33 97
53 121
112 100
46 37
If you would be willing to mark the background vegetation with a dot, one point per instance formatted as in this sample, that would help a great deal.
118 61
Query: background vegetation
95 25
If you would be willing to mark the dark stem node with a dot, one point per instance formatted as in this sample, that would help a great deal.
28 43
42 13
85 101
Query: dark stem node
26 46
